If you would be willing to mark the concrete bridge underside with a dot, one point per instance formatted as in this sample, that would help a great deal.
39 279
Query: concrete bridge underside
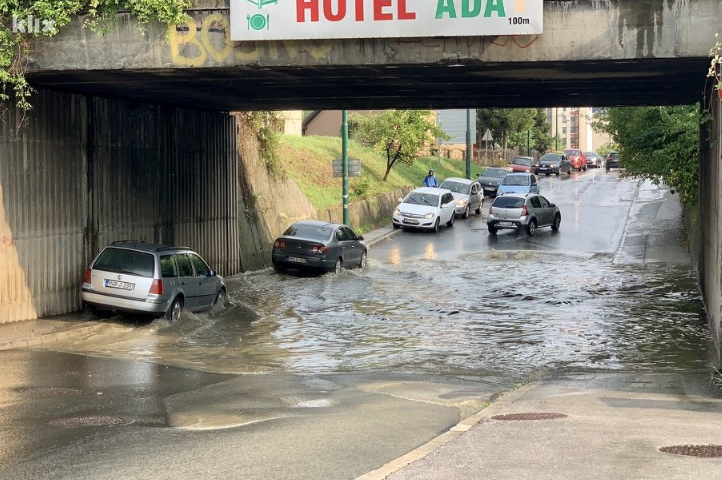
592 52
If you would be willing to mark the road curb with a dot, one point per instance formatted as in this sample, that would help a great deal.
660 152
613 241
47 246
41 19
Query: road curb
383 237
502 402
48 338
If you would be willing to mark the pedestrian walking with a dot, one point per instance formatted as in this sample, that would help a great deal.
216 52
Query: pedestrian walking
430 180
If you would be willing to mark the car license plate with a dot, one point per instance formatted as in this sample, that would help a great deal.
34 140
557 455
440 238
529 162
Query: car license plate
296 260
505 224
411 221
119 284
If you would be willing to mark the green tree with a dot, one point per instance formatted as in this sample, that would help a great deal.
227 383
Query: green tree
505 122
399 134
660 144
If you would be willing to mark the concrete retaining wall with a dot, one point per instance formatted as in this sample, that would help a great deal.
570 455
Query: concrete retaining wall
367 214
705 221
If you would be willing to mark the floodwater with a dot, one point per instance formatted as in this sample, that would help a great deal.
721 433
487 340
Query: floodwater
493 313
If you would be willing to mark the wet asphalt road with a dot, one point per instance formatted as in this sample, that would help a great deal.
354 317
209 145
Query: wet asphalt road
331 376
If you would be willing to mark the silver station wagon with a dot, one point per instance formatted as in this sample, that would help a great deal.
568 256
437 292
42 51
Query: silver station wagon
139 277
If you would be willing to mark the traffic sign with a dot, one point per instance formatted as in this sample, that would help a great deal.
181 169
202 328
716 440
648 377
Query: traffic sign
354 168
487 136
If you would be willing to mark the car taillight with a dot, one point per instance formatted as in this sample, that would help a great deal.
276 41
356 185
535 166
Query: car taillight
86 278
279 244
319 249
524 211
156 287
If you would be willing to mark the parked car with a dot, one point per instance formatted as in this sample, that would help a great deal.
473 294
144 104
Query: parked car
518 183
317 245
139 277
523 164
523 212
467 194
612 160
490 179
577 159
425 208
556 163
594 160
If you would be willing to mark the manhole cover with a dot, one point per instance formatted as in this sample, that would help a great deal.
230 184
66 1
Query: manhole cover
709 451
529 416
88 422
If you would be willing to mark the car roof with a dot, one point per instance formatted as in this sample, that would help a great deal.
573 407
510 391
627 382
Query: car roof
521 174
518 195
431 190
148 247
522 156
317 223
460 180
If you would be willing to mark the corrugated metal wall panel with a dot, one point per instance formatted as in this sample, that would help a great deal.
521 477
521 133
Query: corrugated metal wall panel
42 219
453 123
85 172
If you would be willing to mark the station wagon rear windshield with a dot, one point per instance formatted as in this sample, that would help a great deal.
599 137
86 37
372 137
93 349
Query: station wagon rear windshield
515 180
573 152
417 198
315 232
130 262
509 202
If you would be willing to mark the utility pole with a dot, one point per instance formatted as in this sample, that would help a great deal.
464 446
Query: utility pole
344 164
468 143
556 130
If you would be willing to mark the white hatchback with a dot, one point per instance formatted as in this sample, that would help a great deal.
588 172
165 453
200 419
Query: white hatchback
425 208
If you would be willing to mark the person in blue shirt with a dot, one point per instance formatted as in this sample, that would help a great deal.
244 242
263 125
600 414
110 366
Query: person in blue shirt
430 180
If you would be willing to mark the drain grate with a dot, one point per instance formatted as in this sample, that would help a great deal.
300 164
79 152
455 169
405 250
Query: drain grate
529 416
98 421
707 451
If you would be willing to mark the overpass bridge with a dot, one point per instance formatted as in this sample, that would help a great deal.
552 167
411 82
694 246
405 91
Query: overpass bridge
129 137
592 52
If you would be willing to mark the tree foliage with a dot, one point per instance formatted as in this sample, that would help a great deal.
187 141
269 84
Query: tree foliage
401 135
510 126
660 144
16 33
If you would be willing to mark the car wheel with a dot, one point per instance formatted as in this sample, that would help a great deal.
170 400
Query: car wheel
337 266
557 222
531 227
279 269
364 260
173 314
396 226
436 225
557 174
450 223
220 300
492 229
478 210
465 215
585 168
96 312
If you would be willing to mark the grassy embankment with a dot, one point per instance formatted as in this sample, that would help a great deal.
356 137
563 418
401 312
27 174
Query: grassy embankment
307 161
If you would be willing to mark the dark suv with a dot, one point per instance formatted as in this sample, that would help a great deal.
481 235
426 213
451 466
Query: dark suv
139 277
612 160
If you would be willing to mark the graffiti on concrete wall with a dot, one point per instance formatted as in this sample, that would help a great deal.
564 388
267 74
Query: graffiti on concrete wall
205 40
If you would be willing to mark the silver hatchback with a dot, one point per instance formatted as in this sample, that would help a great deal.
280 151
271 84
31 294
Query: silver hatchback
153 279
521 211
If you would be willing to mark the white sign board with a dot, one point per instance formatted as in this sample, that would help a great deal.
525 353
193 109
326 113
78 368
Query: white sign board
327 19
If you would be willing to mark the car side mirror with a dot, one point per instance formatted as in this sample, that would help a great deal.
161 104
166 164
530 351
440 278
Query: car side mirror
552 205
360 237
213 273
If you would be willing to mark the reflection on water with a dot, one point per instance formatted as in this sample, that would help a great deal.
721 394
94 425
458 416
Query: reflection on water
503 314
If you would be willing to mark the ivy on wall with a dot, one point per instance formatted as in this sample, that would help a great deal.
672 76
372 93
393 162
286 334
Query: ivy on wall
23 20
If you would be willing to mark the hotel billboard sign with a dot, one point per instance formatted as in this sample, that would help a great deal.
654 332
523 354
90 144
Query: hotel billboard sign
336 19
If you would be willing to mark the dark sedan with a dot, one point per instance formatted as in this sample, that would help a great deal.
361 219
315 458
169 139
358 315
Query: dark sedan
556 163
490 179
612 160
316 245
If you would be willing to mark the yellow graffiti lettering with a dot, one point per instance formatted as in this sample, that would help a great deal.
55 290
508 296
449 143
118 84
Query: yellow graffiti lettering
248 56
218 21
179 46
321 51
